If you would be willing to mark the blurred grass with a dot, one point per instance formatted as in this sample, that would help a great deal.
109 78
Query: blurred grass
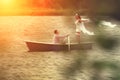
102 66
106 42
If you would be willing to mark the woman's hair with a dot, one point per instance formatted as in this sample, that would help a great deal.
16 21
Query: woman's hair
77 16
55 31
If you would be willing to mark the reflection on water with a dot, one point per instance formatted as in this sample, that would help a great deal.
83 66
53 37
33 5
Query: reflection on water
17 63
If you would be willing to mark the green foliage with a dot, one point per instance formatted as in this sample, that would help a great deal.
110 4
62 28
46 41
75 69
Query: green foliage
100 66
105 64
106 42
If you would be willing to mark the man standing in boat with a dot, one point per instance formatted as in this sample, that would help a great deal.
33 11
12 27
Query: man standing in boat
57 38
79 23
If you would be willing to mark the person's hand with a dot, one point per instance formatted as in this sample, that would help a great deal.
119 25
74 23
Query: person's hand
67 35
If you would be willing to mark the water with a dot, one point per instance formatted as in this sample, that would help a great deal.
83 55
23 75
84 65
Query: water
18 64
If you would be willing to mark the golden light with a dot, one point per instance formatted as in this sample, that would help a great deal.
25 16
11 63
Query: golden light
22 7
10 6
6 2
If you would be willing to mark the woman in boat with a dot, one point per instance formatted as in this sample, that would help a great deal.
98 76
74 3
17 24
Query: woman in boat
79 23
57 38
80 26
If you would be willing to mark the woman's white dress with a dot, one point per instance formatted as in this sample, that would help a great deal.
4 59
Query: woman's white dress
80 27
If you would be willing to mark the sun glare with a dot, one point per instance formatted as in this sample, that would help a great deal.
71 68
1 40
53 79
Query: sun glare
10 6
6 2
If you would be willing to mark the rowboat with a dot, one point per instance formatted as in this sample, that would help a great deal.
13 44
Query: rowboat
42 46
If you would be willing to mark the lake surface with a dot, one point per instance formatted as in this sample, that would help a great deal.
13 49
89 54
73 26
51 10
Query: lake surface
18 64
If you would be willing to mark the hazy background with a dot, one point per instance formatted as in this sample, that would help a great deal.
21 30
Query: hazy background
22 20
60 7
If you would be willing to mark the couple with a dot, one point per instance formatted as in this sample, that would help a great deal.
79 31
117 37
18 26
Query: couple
79 28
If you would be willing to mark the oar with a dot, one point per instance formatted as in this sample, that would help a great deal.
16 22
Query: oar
68 43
